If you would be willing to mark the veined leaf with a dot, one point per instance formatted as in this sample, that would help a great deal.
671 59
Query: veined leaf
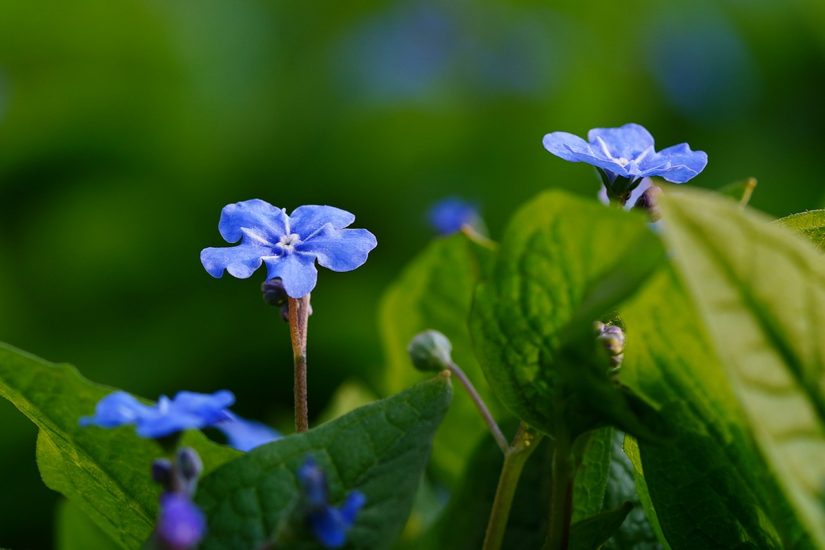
435 292
380 449
760 289
811 224
590 533
105 472
564 263
75 531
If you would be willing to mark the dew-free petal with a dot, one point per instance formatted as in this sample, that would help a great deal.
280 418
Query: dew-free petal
296 270
239 261
252 214
340 250
306 220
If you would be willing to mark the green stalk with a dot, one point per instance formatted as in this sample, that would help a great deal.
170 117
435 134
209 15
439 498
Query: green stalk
561 495
298 319
515 458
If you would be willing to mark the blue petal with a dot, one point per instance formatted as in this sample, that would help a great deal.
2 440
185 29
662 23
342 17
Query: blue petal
314 483
676 164
352 505
239 261
568 147
306 220
209 407
628 141
245 435
116 409
296 270
340 250
328 527
450 215
256 215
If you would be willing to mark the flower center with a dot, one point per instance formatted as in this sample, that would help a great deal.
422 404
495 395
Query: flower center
288 242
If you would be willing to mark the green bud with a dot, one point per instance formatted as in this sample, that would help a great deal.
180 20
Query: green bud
430 351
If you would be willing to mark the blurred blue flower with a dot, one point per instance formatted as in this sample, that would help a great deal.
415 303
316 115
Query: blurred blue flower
181 524
187 410
328 523
288 245
625 155
245 435
449 215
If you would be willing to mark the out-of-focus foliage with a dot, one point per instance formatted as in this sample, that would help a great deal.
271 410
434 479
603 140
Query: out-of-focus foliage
124 127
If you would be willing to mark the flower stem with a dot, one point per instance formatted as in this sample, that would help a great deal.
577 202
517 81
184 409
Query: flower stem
298 317
482 408
515 458
561 495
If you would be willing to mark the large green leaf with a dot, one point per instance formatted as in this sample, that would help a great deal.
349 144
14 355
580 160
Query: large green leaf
75 531
709 484
105 472
591 533
380 449
564 263
434 292
811 224
760 289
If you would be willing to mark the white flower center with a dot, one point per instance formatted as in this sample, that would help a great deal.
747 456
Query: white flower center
288 242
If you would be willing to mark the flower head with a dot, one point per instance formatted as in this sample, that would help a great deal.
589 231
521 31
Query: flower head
449 215
181 524
328 523
245 435
186 410
288 245
625 155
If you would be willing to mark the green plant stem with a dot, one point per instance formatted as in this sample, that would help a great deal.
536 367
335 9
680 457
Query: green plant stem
515 458
482 408
561 495
298 318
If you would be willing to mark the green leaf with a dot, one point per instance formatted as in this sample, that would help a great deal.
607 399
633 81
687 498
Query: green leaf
709 484
811 224
105 472
564 263
631 451
75 531
380 449
434 292
591 533
760 290
591 476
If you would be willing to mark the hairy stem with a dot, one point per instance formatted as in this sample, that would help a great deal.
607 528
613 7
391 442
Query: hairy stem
515 458
482 408
298 317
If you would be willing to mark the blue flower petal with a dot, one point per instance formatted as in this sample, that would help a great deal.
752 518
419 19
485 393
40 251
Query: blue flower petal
340 250
449 215
245 435
676 164
210 407
240 261
306 220
265 220
328 526
352 505
296 270
314 483
628 141
568 147
116 409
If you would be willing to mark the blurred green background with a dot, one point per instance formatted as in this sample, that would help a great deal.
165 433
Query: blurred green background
126 126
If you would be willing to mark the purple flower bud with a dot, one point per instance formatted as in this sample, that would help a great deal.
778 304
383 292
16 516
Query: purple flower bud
162 473
181 524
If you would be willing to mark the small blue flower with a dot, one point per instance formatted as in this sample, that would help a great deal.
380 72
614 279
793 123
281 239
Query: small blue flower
625 155
245 435
186 410
328 523
449 215
181 524
288 245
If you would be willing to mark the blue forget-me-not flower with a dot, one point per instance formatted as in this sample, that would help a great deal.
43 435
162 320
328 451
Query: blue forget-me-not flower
328 523
181 525
288 245
449 215
625 155
187 410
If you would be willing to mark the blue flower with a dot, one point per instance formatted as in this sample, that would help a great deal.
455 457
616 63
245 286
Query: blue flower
625 155
449 215
328 523
245 435
186 410
288 245
181 524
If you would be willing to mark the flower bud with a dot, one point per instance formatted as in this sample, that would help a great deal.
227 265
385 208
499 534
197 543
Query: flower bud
181 525
649 201
273 292
612 339
162 473
188 468
430 351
